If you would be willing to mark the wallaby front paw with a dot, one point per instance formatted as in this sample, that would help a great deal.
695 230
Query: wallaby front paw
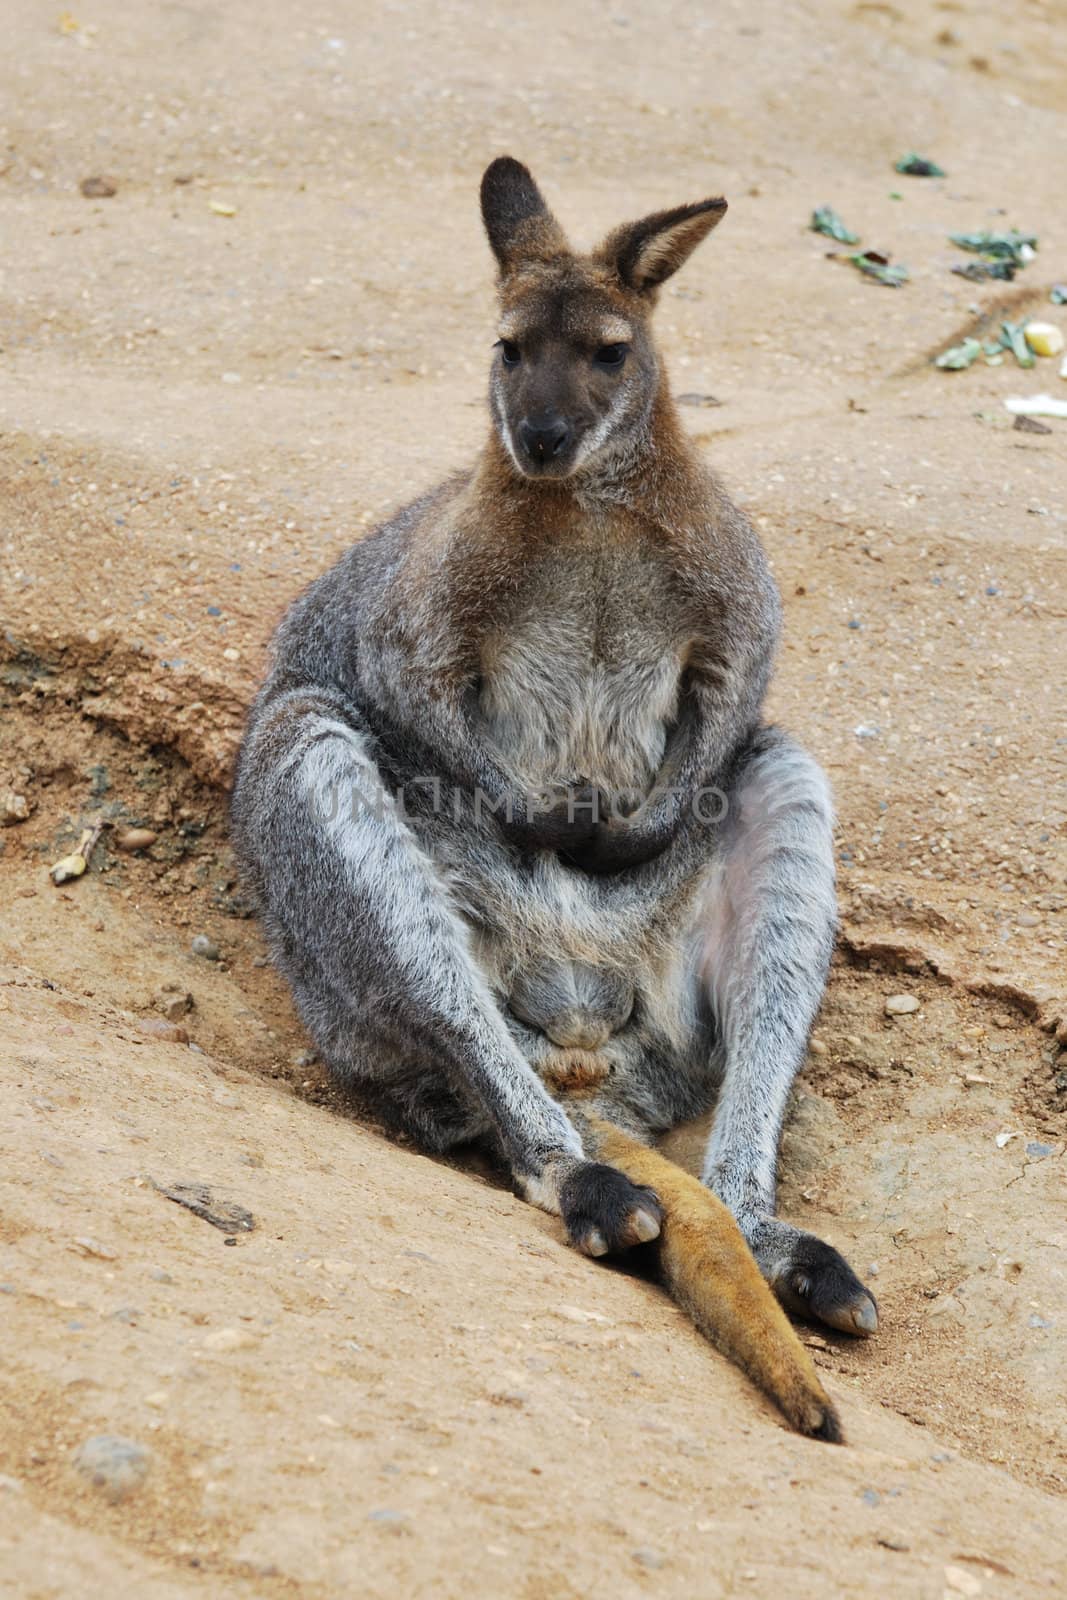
603 1211
566 822
614 847
814 1280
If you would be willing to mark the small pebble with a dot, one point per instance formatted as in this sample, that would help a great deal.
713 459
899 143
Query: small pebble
13 808
112 1464
901 1005
130 839
963 1582
93 1247
1038 1151
946 1305
158 1028
227 1339
204 947
174 1005
98 188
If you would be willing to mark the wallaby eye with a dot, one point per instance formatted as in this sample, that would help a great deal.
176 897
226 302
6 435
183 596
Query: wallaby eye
509 352
611 356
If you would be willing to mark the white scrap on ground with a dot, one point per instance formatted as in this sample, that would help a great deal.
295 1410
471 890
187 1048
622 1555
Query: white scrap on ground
1036 405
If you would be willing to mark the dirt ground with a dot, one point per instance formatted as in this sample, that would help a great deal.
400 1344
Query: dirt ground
402 1382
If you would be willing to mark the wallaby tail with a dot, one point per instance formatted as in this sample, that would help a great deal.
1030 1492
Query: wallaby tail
709 1270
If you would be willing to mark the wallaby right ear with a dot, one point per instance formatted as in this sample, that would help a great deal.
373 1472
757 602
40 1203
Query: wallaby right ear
519 224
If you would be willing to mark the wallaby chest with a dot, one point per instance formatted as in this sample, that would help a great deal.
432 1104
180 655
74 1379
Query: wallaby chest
580 678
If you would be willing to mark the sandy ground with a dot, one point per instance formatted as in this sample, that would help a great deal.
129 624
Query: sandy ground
402 1382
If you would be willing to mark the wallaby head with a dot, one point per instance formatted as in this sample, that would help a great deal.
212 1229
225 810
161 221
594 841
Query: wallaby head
576 372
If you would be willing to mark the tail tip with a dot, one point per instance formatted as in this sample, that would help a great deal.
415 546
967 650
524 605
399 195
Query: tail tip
826 1425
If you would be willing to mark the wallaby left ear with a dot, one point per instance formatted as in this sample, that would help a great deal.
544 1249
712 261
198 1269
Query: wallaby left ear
646 253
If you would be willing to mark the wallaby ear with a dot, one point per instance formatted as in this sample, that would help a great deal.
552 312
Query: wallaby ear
519 224
645 253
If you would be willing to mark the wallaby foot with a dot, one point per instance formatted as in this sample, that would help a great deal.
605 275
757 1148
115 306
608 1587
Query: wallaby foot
603 1211
811 1278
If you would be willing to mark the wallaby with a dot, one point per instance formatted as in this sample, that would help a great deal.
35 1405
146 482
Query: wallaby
537 872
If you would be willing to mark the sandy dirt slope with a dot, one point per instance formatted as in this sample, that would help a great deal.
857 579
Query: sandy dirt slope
272 333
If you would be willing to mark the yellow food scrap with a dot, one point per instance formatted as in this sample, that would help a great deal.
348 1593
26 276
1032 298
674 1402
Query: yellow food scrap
222 208
70 867
1044 338
74 865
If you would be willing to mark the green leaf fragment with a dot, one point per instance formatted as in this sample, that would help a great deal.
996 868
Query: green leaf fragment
959 356
824 219
1013 338
1009 245
916 166
878 267
988 267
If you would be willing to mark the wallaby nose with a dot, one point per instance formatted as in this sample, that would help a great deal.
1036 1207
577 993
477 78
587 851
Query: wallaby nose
544 438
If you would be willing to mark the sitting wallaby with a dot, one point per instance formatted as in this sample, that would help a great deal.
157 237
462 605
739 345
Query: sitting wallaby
537 872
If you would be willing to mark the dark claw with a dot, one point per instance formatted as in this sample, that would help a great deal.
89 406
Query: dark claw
603 1211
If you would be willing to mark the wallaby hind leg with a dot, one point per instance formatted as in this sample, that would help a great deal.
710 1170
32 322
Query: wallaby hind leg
709 1270
364 926
769 922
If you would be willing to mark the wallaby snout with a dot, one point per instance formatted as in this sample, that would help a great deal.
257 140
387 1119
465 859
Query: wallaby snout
544 437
